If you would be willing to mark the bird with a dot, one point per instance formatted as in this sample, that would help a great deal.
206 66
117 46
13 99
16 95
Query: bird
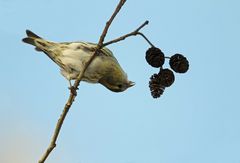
71 57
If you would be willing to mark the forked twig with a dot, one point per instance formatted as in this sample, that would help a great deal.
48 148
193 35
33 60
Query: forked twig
74 88
72 96
133 33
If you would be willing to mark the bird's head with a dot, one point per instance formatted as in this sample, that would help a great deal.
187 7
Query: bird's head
116 81
117 86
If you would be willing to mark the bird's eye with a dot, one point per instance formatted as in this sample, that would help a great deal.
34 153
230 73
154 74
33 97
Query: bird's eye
119 86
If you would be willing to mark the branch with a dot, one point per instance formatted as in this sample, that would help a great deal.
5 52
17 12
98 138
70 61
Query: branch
74 88
109 22
133 33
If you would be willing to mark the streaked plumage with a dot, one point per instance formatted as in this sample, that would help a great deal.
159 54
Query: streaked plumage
72 56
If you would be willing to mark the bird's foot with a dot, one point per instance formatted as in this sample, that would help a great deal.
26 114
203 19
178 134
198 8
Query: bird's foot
73 90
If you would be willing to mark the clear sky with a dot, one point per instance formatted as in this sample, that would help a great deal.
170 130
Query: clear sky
195 121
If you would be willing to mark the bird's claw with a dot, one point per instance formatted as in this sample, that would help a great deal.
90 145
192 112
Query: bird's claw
73 90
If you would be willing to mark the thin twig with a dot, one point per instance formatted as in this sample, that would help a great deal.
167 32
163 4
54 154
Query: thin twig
141 34
133 33
74 88
109 22
58 128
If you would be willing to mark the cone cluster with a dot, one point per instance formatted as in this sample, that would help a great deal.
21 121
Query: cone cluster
165 77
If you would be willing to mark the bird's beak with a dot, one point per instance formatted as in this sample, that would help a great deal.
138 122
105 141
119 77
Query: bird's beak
130 84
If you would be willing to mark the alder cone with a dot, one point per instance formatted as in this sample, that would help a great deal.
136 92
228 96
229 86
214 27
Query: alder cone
155 57
179 63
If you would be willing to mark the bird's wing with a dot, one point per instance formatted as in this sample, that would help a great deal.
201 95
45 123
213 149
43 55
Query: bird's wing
92 46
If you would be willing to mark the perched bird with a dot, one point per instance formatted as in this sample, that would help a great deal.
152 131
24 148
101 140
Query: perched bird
72 56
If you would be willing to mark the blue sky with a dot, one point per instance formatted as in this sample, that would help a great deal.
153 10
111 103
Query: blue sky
195 121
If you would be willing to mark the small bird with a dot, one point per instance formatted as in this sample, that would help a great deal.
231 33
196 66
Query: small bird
71 57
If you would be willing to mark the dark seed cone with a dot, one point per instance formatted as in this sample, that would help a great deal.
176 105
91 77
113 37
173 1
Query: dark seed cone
166 77
155 86
155 57
179 63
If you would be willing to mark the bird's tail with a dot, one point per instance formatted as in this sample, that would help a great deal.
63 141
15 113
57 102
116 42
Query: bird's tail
39 43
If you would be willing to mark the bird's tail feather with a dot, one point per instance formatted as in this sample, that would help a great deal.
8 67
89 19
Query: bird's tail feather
31 37
35 40
31 34
41 45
